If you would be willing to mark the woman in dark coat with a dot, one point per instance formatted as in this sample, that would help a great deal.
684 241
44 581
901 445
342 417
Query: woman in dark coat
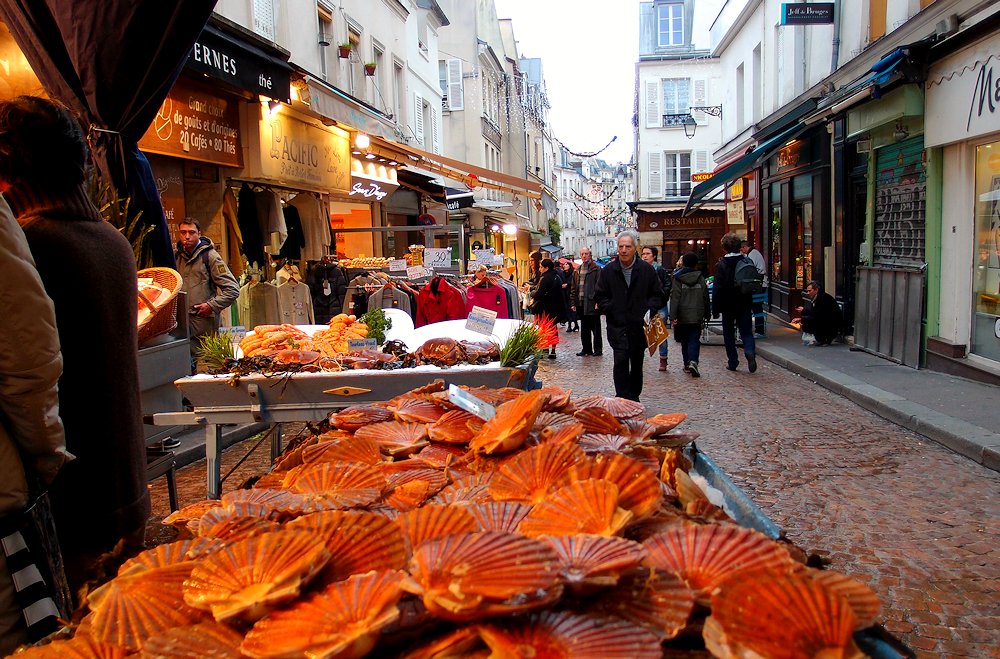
547 296
88 269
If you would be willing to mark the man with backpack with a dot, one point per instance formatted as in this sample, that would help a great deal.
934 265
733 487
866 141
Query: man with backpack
690 309
736 280
754 255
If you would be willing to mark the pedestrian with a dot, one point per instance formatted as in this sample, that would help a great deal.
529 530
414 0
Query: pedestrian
651 256
733 305
628 289
209 284
582 295
752 253
566 273
32 441
821 315
547 296
88 270
690 309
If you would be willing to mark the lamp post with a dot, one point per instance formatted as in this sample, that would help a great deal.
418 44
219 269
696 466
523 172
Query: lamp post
690 125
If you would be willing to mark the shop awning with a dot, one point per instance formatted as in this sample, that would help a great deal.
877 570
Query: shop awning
456 169
679 206
552 249
420 183
743 165
867 86
458 199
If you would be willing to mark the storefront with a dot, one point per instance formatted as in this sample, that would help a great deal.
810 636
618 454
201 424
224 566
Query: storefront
701 232
968 326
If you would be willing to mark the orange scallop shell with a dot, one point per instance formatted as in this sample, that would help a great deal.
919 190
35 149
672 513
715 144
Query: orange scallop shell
499 516
474 488
658 601
419 410
592 561
348 449
410 486
357 416
395 437
471 575
292 455
203 640
81 646
862 599
455 427
688 491
191 513
639 429
262 502
587 506
599 420
509 429
673 459
705 555
604 443
533 473
440 456
435 521
557 399
664 423
569 635
170 553
227 525
639 489
245 579
553 420
274 480
620 408
133 607
463 642
780 615
336 485
358 541
567 433
342 620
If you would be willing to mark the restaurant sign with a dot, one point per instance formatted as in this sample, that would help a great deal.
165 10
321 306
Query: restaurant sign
294 151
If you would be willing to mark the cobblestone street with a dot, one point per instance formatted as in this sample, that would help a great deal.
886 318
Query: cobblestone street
919 523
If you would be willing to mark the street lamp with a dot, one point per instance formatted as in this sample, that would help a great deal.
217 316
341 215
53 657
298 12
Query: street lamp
690 125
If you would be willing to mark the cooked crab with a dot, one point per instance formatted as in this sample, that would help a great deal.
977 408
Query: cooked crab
442 352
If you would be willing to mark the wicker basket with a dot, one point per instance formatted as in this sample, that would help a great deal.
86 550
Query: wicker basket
163 318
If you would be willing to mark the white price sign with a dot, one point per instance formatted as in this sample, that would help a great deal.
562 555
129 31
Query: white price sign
484 256
397 265
481 321
416 272
236 332
437 257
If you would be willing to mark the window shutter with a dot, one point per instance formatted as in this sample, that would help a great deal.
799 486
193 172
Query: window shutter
435 131
456 95
418 117
700 100
653 115
655 174
700 162
263 18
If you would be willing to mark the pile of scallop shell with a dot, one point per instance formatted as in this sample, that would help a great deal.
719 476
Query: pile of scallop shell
413 528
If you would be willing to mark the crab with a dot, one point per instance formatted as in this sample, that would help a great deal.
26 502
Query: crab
481 352
441 352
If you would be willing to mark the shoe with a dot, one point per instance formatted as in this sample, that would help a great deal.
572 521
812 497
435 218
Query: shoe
170 443
687 369
598 354
584 353
663 363
752 363
692 368
552 355
732 367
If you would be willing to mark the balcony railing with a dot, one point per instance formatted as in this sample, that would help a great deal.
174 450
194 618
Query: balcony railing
677 190
677 120
491 131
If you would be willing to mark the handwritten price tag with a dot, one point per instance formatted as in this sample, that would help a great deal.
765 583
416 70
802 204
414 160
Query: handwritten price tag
416 272
397 265
481 321
354 345
437 257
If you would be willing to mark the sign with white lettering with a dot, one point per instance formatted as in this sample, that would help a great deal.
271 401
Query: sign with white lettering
369 189
437 257
355 345
481 320
483 256
963 95
227 58
196 122
296 151
808 13
397 265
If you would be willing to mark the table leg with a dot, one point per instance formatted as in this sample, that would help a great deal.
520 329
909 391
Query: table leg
213 459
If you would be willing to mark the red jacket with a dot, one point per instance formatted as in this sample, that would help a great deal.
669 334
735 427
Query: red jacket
439 301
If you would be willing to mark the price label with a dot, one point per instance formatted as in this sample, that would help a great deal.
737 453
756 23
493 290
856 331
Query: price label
356 345
481 321
470 403
397 265
484 256
416 272
498 259
236 332
437 257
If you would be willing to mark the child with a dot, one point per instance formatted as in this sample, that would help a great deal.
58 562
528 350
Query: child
689 310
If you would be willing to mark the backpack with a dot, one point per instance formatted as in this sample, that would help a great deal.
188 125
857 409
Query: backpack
746 278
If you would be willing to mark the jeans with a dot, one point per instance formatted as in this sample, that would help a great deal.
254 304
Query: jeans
689 336
731 321
665 315
590 334
628 373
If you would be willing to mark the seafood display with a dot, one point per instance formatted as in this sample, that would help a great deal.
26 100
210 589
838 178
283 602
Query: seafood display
412 528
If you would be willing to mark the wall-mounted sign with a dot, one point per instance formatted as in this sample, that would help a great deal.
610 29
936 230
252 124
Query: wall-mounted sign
962 99
198 123
700 177
790 156
809 13
217 54
369 189
734 212
736 189
295 151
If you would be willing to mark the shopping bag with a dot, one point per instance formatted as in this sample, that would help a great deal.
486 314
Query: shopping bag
656 332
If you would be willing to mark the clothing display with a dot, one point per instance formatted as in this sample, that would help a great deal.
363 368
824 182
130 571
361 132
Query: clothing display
490 296
295 303
258 304
315 225
250 228
439 301
296 240
328 286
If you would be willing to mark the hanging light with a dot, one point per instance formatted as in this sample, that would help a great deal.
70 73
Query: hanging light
362 141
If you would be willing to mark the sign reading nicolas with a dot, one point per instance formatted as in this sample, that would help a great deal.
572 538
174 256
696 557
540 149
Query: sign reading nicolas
240 64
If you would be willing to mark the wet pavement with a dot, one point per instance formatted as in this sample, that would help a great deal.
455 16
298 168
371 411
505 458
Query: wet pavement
917 521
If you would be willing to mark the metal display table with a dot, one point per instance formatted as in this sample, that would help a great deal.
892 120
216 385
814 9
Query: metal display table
304 397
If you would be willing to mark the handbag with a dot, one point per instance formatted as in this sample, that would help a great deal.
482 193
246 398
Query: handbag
656 332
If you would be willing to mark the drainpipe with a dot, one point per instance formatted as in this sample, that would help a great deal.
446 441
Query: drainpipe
835 62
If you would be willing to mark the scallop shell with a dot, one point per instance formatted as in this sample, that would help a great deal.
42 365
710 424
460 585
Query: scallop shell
688 491
599 420
468 489
556 399
181 518
620 408
658 601
274 480
780 615
351 449
587 506
81 646
342 620
292 455
333 485
435 521
591 561
665 518
507 430
395 437
664 423
639 489
440 456
706 511
471 575
603 443
676 438
133 607
245 579
705 555
648 456
455 427
358 416
569 635
463 642
499 516
567 433
358 541
673 459
553 420
410 487
228 526
419 410
862 599
208 640
170 553
639 429
531 474
262 502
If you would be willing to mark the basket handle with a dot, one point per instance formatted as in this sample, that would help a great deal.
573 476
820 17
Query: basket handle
145 300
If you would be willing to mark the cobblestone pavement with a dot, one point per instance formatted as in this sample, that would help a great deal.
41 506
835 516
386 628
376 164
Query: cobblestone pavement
917 522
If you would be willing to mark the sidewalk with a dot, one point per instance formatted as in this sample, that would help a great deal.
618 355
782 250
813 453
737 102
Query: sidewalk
960 414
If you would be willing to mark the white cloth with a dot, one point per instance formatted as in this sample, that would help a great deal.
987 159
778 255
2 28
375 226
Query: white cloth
758 260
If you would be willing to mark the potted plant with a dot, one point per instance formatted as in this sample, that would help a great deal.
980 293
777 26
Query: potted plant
370 68
344 50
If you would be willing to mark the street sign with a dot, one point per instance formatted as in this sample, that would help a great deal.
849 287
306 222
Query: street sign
810 13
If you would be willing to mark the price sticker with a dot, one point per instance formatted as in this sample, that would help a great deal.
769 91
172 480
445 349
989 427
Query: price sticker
484 256
356 345
397 265
481 321
437 257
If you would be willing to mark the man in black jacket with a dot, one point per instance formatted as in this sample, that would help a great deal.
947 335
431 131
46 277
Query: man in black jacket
733 305
821 317
627 289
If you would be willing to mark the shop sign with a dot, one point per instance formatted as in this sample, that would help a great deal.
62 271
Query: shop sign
222 57
736 189
294 151
734 212
963 95
365 188
197 123
692 221
808 13
701 177
790 156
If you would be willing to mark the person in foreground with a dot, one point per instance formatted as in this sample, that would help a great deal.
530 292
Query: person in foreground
733 305
582 297
689 310
821 316
88 270
627 289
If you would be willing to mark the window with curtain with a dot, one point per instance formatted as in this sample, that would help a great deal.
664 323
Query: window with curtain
677 172
676 95
670 24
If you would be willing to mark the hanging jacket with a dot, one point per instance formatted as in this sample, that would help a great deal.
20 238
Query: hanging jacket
328 286
492 297
439 301
246 215
296 240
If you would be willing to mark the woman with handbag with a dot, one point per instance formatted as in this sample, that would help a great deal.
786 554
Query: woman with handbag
547 296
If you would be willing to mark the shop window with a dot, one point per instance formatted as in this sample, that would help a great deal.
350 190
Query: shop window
802 234
986 282
776 242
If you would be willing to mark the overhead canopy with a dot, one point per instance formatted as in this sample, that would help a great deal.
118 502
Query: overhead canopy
743 165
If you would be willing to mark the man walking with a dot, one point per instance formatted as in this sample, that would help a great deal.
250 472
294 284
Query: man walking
651 255
582 297
627 289
752 253
733 305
